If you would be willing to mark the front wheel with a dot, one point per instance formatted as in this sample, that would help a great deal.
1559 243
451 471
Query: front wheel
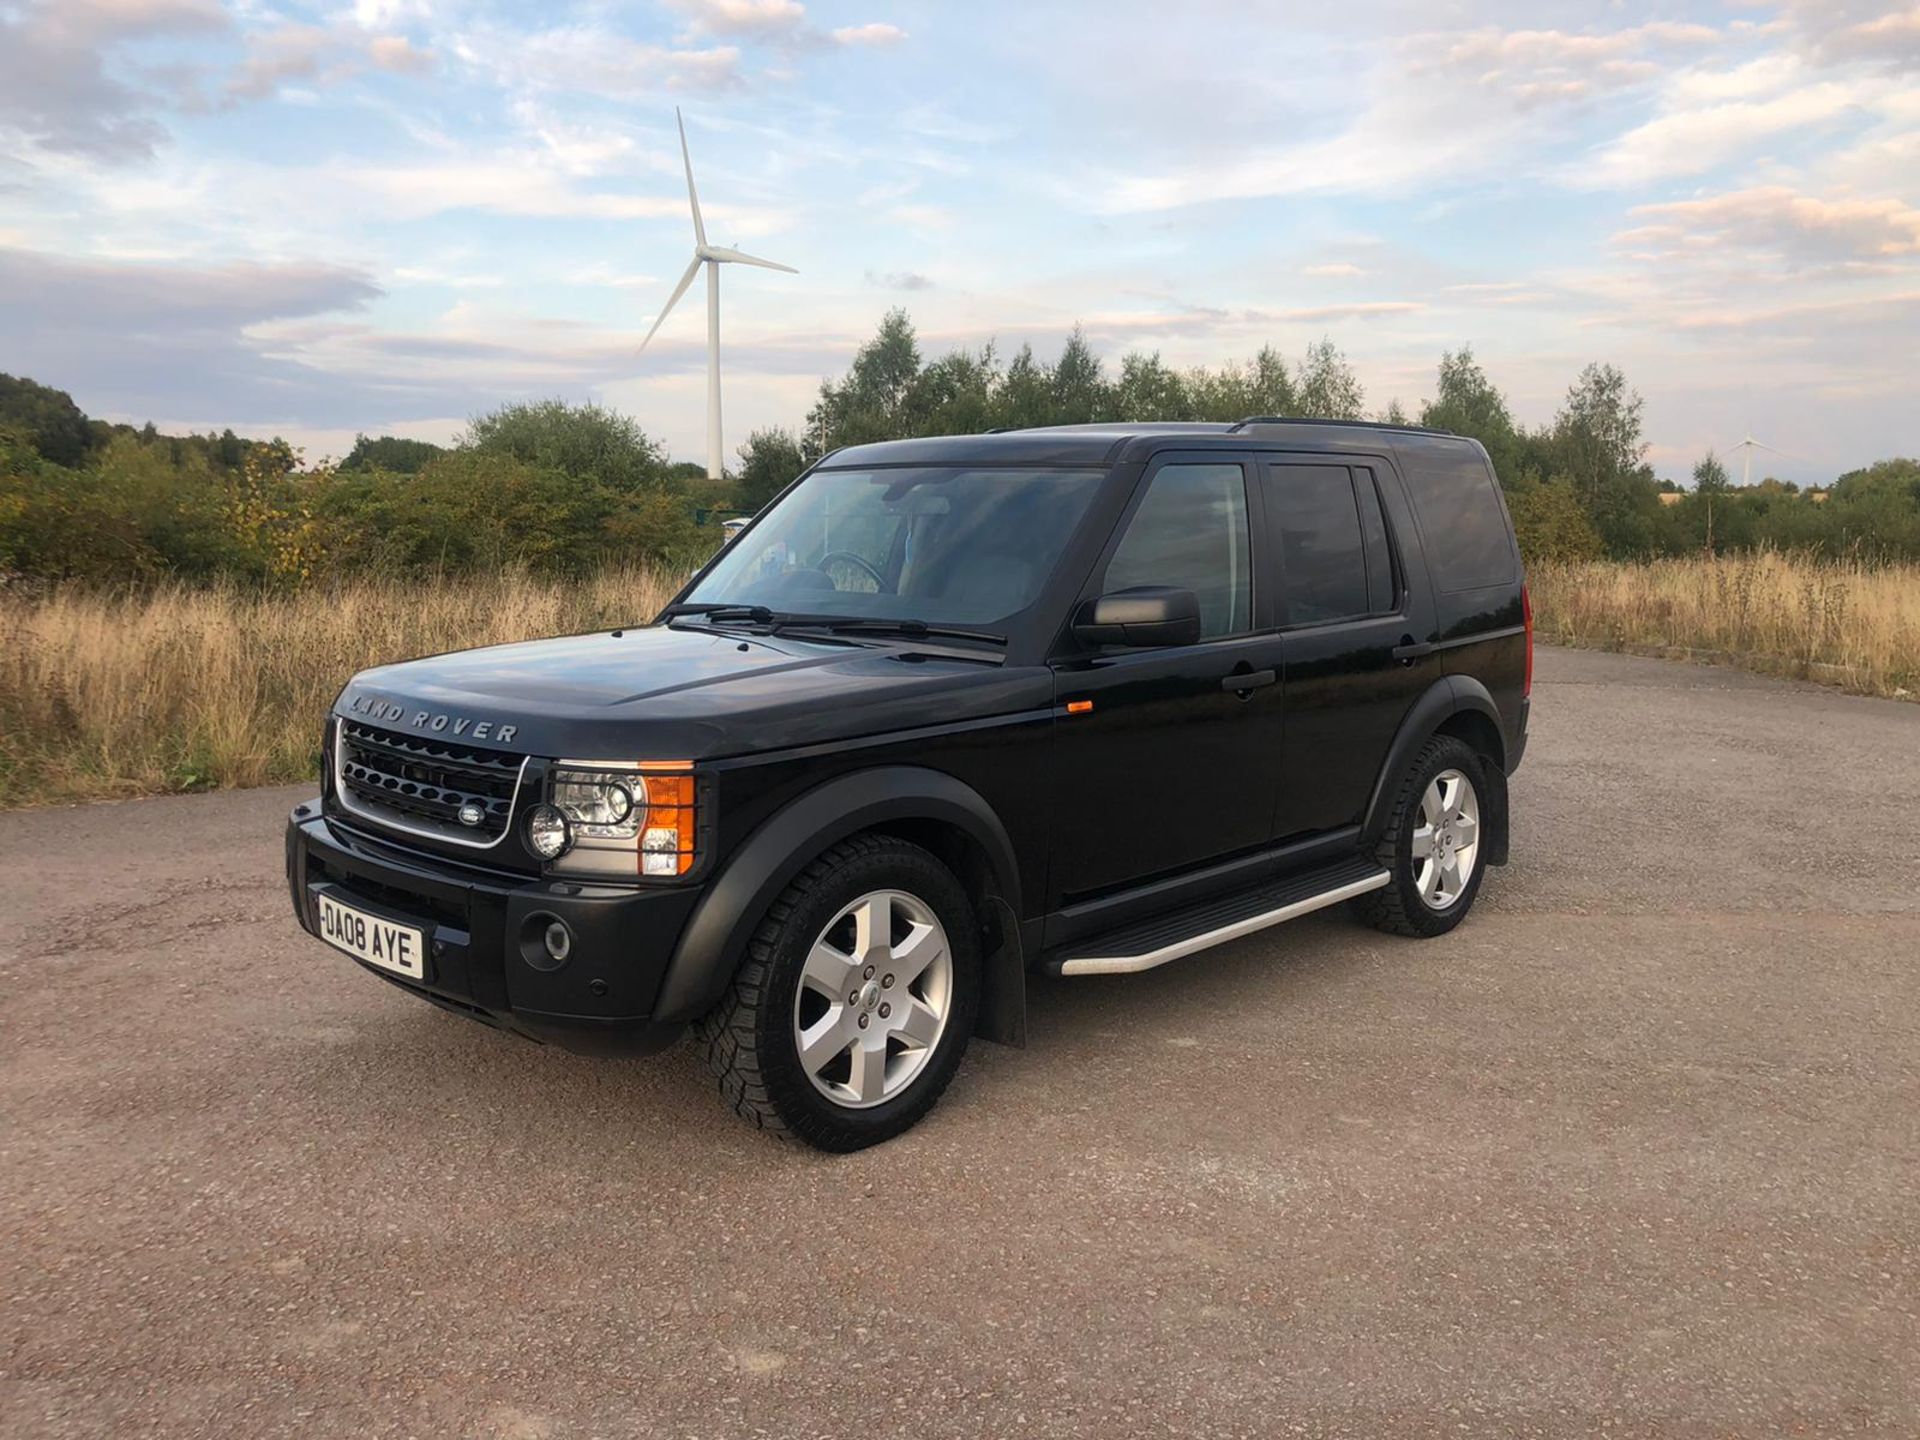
1432 843
851 1012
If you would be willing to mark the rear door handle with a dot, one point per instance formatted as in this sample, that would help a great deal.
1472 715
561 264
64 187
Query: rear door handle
1410 652
1246 682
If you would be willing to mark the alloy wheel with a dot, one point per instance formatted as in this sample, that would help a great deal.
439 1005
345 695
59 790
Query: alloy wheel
873 999
1446 839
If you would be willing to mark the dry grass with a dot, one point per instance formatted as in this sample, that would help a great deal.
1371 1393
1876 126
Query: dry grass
127 694
1845 623
180 689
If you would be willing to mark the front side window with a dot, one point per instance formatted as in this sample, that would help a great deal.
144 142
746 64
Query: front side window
943 544
1321 554
1190 532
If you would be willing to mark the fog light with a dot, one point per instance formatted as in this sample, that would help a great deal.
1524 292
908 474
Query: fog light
559 941
547 832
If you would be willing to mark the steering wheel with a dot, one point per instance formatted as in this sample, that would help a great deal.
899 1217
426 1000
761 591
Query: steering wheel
859 562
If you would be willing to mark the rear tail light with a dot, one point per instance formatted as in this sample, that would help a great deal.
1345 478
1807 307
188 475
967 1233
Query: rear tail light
1526 615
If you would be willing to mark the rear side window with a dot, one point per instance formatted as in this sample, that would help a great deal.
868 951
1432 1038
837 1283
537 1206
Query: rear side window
1461 517
1322 557
1191 532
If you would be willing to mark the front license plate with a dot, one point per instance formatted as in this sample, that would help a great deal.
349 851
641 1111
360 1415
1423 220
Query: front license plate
399 948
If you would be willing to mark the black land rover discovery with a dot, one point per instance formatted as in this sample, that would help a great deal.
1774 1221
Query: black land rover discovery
1082 700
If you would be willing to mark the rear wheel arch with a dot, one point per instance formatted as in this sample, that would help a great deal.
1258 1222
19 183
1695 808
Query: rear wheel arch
1459 706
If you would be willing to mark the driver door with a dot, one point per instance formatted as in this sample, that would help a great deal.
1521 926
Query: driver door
1169 758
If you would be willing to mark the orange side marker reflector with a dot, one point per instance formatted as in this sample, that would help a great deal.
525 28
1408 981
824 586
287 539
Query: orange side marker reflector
1079 707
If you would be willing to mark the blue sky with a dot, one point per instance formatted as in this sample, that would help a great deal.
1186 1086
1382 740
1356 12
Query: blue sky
390 214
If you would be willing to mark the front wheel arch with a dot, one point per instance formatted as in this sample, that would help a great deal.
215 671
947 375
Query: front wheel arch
892 797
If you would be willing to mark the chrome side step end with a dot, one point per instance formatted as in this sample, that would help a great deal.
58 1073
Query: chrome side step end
1207 939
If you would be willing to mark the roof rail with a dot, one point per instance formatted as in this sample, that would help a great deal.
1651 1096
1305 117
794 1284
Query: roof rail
1352 424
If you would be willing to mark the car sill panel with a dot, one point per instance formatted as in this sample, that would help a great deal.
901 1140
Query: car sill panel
1220 935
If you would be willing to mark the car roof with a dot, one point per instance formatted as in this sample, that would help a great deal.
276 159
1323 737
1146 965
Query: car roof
1113 443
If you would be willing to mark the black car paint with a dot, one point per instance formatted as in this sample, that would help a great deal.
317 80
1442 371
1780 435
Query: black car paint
1176 784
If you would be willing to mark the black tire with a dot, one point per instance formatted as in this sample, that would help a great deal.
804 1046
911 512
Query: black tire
748 1037
1398 907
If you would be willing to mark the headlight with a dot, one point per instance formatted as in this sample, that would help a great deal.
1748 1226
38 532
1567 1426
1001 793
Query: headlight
625 820
600 805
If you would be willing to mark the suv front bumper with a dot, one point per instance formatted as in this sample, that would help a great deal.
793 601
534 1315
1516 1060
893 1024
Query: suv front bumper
484 954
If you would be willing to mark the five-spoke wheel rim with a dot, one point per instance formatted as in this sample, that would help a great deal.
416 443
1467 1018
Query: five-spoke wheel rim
1446 840
873 999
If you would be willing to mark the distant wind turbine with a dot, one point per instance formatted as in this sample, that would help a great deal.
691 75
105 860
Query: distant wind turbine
713 257
1746 448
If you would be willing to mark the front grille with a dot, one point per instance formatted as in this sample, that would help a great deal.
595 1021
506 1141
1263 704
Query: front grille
417 778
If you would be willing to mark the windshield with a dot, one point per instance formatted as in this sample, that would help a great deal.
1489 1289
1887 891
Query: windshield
939 544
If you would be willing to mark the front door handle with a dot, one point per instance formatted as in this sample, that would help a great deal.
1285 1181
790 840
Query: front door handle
1409 652
1245 682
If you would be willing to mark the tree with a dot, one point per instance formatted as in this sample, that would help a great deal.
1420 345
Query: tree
1466 402
1329 389
1025 396
870 404
1549 521
581 441
47 419
954 395
1148 390
1598 430
1710 476
1241 391
1079 390
392 453
768 462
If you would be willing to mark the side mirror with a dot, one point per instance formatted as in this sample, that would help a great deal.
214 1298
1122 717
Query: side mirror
1141 617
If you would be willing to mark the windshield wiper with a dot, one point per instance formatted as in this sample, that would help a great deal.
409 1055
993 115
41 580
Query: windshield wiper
758 614
868 625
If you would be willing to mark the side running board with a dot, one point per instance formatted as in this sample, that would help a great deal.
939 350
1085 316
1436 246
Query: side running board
1169 937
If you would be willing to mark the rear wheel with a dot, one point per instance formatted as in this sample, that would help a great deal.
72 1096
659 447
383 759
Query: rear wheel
852 1009
1432 844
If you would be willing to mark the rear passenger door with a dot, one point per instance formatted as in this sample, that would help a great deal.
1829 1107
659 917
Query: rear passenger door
1356 632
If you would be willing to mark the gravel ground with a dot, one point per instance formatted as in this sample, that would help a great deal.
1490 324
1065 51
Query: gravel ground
1633 1153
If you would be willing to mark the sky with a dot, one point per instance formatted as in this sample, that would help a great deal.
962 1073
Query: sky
387 216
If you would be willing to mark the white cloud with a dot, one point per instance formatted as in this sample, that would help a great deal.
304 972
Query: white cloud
874 34
750 19
1774 218
398 54
1337 270
774 22
593 59
1434 109
1693 140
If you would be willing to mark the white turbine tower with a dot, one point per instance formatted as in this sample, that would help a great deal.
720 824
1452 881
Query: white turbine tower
713 257
1746 448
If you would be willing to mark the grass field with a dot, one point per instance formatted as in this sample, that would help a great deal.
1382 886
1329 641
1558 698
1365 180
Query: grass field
183 689
115 694
1844 623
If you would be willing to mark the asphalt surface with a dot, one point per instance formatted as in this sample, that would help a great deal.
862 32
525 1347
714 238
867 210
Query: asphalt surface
1635 1152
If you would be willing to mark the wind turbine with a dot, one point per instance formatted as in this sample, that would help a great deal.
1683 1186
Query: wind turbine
713 257
1747 447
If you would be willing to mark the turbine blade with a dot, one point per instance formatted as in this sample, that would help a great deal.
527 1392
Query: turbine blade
693 196
740 257
673 299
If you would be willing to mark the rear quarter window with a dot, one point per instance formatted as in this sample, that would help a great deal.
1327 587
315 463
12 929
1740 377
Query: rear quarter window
1462 520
